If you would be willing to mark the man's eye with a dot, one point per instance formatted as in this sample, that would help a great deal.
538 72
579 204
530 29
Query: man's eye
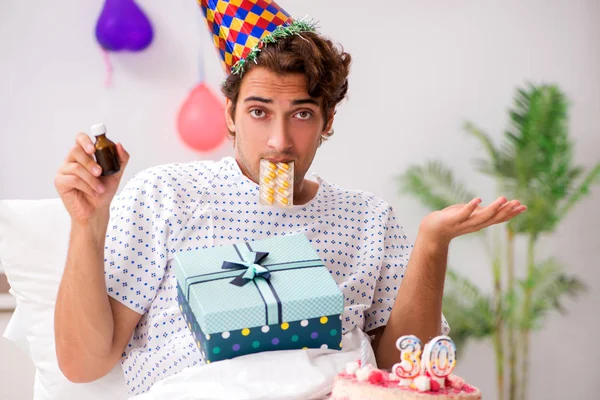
257 113
304 115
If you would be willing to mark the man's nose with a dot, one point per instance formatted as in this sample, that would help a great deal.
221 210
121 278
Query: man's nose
279 138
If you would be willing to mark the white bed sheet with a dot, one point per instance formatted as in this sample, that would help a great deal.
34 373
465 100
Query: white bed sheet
289 375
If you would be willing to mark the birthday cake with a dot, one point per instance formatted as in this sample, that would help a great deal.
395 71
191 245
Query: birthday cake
414 377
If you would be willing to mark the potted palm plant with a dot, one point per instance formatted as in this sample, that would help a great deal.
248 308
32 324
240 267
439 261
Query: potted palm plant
533 163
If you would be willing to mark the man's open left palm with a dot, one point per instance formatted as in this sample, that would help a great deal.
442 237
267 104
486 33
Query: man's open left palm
461 219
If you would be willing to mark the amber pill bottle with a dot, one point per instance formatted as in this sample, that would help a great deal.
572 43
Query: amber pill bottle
106 151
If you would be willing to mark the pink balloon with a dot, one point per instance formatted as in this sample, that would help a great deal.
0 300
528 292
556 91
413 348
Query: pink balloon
201 120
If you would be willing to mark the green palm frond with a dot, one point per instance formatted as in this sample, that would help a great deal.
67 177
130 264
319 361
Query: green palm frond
435 185
536 141
549 285
534 162
486 166
468 311
540 215
582 190
511 307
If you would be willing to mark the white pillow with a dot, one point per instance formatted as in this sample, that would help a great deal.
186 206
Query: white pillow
33 246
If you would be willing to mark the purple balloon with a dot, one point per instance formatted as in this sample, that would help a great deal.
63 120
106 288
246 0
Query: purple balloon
122 25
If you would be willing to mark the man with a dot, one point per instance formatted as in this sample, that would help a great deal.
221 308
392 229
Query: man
117 299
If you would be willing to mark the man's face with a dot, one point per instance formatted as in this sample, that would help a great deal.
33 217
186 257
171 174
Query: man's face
276 119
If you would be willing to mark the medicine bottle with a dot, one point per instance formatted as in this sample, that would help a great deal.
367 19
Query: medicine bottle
106 151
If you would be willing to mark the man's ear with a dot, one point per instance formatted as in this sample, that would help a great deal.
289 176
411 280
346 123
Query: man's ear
329 123
229 115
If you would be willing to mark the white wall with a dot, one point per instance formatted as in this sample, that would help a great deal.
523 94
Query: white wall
420 69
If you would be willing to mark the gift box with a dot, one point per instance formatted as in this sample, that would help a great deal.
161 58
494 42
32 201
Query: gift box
265 295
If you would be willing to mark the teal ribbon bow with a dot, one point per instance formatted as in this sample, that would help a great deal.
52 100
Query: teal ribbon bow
252 267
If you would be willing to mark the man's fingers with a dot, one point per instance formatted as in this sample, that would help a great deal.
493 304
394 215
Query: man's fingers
85 142
79 171
466 211
515 210
123 155
488 212
65 183
78 155
505 213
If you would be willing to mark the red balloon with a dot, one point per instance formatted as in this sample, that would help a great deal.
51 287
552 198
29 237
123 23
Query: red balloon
201 121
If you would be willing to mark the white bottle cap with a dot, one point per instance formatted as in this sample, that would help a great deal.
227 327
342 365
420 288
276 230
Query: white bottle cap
98 129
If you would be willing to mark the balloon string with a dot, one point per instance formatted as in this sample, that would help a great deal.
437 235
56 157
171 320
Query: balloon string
201 67
109 69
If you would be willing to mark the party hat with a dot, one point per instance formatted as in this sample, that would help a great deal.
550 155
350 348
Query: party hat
240 28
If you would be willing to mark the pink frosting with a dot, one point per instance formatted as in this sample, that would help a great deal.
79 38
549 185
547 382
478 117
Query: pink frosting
381 378
455 381
469 389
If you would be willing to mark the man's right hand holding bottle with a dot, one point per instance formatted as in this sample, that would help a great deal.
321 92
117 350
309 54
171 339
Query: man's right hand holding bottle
78 182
